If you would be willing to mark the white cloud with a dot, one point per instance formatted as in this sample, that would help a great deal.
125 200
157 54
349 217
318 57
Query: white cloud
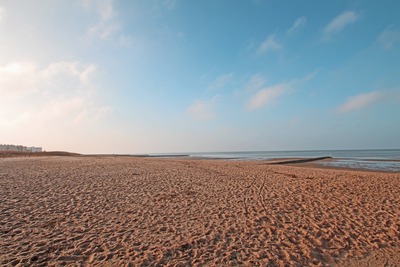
267 95
203 110
389 38
269 45
60 93
221 81
340 22
87 74
107 24
360 101
18 78
103 30
255 82
298 24
106 9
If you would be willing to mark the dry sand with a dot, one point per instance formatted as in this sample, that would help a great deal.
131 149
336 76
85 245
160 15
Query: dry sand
120 211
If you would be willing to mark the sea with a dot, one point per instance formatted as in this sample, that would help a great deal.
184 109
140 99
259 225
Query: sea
374 159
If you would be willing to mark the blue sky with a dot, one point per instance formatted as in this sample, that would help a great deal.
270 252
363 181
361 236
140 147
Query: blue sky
104 76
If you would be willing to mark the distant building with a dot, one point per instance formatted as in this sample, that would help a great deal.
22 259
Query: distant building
20 148
35 149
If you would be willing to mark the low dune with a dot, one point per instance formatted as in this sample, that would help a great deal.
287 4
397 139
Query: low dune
123 211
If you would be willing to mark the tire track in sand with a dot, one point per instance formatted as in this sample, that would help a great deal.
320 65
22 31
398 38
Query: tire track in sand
245 196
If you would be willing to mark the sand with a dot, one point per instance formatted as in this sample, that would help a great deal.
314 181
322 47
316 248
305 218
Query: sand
121 211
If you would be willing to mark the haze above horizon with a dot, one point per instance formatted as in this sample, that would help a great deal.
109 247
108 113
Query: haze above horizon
166 76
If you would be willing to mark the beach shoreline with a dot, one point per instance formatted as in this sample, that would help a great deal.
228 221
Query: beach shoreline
377 160
132 211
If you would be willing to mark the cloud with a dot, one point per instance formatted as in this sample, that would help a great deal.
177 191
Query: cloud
203 110
389 38
104 8
267 95
221 81
107 24
255 82
102 30
269 45
298 24
18 78
360 101
339 23
61 93
57 106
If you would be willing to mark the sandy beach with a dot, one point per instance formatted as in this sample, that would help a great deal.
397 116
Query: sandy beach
126 211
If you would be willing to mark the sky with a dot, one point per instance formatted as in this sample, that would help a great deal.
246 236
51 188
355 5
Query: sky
165 76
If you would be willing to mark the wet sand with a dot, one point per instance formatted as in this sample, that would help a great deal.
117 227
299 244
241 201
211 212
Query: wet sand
122 211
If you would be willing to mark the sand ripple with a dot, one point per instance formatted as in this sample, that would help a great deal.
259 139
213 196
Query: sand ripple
106 211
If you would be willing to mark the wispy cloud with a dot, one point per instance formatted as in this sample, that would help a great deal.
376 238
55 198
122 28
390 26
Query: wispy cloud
269 45
102 30
256 82
389 38
267 95
221 81
104 8
360 101
339 23
203 110
297 25
107 23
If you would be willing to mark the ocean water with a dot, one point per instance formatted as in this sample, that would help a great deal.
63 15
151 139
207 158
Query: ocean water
383 160
383 154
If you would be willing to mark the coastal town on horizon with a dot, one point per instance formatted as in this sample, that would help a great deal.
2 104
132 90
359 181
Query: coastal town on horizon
20 148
